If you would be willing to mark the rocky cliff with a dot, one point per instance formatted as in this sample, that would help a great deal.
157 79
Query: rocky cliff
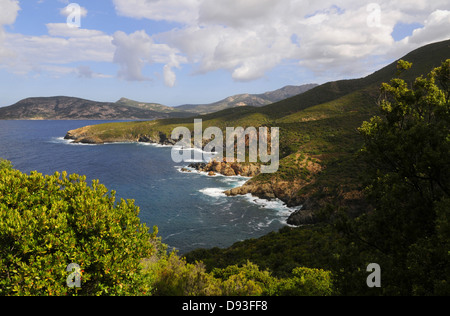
228 169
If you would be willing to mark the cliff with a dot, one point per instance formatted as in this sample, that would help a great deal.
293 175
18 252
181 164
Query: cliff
319 138
228 169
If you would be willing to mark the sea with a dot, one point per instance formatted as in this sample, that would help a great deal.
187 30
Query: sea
190 209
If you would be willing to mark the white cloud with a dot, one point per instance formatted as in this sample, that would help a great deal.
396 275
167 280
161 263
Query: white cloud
135 51
48 53
65 30
238 13
182 11
71 9
22 54
436 28
84 71
169 76
132 53
8 14
8 11
246 38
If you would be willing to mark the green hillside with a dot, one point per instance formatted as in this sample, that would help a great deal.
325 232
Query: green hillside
318 135
398 224
387 204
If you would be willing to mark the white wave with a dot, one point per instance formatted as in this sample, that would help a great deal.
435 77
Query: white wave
276 204
193 160
62 140
155 145
235 182
213 192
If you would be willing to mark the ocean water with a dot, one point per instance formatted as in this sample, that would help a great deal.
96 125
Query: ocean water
189 209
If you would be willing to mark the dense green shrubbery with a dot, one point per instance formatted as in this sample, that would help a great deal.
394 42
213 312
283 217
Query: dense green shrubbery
174 277
49 222
407 149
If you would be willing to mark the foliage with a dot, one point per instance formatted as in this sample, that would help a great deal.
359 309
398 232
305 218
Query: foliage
407 151
175 277
246 280
49 222
5 164
405 154
307 282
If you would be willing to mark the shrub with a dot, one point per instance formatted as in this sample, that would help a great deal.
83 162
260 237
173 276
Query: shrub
307 282
175 277
50 222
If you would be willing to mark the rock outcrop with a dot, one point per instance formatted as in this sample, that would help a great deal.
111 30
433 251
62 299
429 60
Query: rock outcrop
85 136
157 138
228 169
283 190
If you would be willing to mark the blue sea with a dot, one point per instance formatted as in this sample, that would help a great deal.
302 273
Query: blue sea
189 209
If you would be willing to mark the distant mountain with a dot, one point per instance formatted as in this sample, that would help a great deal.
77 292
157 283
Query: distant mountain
147 106
69 108
240 100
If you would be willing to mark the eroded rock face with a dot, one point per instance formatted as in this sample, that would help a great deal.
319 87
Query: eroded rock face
82 136
282 190
228 169
159 138
302 217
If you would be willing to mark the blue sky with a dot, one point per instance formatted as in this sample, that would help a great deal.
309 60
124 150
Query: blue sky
199 51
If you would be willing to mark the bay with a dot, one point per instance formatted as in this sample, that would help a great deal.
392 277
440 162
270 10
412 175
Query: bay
189 209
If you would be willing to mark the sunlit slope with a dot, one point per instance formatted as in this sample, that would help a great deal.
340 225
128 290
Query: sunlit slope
317 128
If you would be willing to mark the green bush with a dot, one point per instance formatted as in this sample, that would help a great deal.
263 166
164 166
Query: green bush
306 282
5 164
174 277
247 280
50 222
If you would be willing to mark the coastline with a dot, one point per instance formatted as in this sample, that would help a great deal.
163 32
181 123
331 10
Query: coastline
277 189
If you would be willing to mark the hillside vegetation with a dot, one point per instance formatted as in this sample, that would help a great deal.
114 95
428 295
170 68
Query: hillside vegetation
406 181
367 158
316 127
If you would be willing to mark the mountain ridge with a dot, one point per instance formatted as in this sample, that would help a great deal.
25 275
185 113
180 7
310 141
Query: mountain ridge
74 108
246 99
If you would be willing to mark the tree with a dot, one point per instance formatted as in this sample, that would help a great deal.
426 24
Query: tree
407 150
5 164
50 222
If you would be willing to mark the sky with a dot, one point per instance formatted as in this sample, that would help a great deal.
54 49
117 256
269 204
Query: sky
178 52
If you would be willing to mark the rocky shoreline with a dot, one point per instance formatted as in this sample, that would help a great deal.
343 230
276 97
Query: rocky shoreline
227 169
281 190
83 136
286 191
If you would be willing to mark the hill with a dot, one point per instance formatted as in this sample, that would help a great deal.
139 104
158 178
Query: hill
242 100
318 137
69 108
148 106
